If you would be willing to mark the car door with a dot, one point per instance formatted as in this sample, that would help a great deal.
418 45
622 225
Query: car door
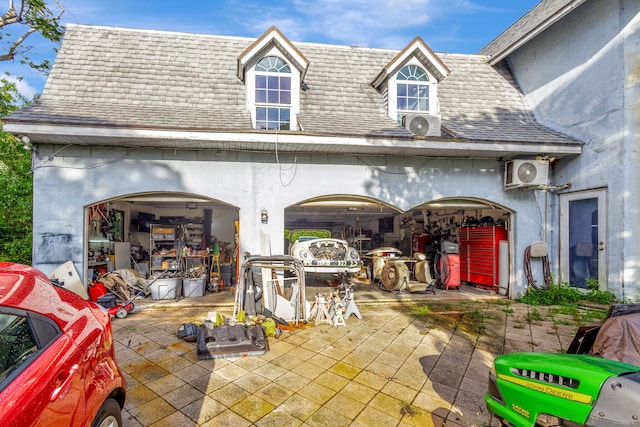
41 379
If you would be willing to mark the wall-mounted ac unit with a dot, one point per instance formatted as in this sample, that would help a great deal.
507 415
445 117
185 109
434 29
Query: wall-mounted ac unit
526 173
422 124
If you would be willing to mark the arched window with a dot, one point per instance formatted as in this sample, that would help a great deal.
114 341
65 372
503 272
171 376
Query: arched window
273 94
412 91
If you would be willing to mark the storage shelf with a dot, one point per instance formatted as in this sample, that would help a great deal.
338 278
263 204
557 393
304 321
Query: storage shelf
479 254
163 237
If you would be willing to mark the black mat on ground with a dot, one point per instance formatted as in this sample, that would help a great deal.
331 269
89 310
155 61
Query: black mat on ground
230 341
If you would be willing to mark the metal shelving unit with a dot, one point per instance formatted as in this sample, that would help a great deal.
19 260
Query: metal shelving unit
163 247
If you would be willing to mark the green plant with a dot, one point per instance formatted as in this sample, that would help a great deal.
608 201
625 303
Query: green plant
534 315
478 328
562 322
408 409
570 310
475 315
564 294
598 296
420 310
561 294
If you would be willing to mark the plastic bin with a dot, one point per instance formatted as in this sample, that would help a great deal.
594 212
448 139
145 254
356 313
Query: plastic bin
193 287
166 288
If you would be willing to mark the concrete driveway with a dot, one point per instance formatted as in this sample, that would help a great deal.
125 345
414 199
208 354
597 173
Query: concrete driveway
413 359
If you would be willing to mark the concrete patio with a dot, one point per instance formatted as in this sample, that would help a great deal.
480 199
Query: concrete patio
413 359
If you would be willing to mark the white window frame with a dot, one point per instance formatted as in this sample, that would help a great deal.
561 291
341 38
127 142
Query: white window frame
295 88
392 91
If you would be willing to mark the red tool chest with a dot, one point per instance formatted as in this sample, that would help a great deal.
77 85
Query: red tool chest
479 254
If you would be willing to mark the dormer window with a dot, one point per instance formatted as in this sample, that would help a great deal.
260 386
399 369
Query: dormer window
412 91
273 94
273 69
409 82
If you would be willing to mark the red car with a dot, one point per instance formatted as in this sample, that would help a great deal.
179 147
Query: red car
57 358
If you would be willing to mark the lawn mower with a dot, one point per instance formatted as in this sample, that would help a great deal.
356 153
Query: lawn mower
597 383
99 294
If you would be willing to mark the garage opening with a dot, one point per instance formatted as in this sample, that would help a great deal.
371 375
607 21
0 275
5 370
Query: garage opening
173 234
476 231
364 222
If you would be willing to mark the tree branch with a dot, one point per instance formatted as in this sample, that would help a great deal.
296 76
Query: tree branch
11 53
9 17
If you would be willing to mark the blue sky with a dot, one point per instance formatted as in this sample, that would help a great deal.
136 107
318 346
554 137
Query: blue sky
453 26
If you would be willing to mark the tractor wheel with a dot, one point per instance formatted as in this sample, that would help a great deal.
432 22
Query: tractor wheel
394 276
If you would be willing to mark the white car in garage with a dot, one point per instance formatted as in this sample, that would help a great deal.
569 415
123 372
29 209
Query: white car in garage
324 255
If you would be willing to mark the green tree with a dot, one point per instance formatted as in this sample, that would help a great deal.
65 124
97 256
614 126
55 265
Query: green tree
17 185
26 17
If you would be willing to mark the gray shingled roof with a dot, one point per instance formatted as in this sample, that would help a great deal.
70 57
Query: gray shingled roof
544 13
114 77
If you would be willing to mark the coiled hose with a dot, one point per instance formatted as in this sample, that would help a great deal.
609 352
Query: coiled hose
441 268
546 270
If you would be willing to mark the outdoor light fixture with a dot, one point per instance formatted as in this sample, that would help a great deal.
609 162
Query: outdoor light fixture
264 217
26 142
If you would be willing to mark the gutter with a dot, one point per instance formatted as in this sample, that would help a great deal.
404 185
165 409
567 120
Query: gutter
284 142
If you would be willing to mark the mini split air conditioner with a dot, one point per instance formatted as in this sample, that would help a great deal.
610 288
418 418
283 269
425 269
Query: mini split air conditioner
526 173
422 124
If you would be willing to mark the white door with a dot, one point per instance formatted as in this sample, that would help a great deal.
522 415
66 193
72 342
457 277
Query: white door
583 227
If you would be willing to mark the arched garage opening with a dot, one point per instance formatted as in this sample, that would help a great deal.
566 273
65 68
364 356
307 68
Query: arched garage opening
362 221
481 229
160 231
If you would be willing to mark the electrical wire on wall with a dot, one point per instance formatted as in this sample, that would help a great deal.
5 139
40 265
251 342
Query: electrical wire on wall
294 166
91 166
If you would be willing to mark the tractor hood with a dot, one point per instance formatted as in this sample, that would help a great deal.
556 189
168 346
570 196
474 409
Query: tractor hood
525 385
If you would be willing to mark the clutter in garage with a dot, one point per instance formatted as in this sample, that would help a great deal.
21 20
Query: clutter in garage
181 248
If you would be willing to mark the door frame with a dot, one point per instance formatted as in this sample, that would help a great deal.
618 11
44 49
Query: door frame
600 195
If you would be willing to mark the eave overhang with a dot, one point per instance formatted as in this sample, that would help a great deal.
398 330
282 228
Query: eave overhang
527 36
282 142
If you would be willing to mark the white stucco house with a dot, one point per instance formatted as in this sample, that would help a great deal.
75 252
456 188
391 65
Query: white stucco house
252 137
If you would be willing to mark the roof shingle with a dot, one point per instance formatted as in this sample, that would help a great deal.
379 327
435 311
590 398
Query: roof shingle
105 76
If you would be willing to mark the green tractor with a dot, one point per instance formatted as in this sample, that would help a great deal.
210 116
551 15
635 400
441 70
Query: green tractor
592 385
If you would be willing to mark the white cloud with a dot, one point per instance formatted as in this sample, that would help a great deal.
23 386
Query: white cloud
23 87
353 22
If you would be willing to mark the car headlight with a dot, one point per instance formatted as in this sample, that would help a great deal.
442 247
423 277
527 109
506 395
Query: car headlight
302 254
353 254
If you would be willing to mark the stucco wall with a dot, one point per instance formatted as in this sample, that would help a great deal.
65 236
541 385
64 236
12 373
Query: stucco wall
79 176
581 76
